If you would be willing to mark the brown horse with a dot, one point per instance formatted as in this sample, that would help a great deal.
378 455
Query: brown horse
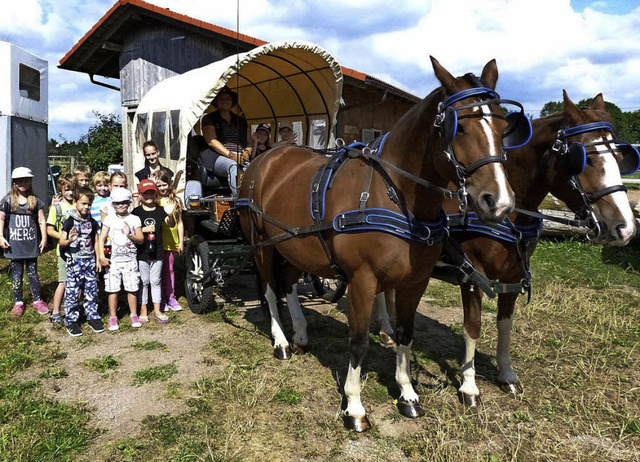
384 225
573 156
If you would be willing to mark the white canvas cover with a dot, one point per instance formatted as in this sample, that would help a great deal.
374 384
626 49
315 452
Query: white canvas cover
290 80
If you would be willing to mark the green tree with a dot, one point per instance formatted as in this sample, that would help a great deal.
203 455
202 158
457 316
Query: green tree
104 142
551 108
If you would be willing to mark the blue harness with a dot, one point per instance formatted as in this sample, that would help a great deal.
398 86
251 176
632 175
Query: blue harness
403 225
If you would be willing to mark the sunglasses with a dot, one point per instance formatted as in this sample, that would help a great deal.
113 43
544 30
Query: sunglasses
116 204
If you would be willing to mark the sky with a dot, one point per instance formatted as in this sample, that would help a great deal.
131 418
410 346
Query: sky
541 46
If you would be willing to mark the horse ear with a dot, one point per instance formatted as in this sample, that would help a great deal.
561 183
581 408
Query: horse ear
489 76
569 107
597 104
443 75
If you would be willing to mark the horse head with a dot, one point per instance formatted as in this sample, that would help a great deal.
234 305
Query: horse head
472 125
589 172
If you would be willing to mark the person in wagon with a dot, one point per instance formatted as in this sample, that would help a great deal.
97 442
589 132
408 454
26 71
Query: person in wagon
287 135
226 133
261 140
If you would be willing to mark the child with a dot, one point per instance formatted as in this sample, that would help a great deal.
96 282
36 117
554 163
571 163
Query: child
287 135
151 161
117 180
124 231
261 142
82 174
61 208
20 239
172 238
150 253
101 185
78 241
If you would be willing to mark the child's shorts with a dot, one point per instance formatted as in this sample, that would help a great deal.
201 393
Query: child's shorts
62 270
125 272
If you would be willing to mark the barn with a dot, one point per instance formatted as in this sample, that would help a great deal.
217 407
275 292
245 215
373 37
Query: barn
140 44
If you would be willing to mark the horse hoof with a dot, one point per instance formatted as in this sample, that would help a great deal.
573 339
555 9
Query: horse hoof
282 352
470 400
513 388
386 339
356 423
410 409
299 349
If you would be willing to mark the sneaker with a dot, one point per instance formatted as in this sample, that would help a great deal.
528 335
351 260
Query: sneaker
135 322
96 325
18 309
174 305
74 329
41 306
113 324
56 319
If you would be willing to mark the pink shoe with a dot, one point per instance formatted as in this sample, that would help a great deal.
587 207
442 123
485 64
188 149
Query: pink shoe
18 309
113 324
174 305
41 306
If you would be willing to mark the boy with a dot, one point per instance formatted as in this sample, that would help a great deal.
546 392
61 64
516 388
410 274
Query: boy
61 208
124 231
78 241
82 175
101 185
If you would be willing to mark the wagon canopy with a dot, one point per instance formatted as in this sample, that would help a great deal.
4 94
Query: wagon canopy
291 80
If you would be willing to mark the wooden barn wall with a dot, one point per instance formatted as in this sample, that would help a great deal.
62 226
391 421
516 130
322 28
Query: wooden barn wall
365 108
152 54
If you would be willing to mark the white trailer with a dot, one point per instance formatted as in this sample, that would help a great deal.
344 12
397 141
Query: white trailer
24 114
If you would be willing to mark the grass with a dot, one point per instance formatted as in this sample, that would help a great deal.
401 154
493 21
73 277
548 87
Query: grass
102 364
576 349
156 373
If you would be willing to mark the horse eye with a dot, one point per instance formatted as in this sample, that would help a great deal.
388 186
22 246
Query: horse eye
459 129
589 161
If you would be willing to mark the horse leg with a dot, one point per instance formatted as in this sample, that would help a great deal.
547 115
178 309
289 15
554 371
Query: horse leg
300 339
361 294
469 393
385 304
265 262
406 305
507 378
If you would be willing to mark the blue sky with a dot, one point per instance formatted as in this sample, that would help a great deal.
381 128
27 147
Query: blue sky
541 46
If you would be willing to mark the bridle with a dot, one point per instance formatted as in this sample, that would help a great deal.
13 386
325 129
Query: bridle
517 134
575 155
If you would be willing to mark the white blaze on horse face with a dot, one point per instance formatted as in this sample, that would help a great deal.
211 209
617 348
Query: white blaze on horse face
620 221
503 199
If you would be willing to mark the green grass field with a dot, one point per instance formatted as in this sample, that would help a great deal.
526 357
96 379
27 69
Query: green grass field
576 348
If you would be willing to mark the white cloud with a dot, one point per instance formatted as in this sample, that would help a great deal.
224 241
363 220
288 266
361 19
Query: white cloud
541 46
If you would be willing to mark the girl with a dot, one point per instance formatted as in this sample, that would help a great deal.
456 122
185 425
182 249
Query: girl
261 142
20 240
150 251
172 238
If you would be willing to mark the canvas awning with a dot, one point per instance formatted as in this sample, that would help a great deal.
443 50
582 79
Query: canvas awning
290 80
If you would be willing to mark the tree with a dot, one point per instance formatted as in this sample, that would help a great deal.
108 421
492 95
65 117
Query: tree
104 142
551 108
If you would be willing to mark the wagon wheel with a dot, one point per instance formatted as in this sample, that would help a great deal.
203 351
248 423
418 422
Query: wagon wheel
328 289
199 293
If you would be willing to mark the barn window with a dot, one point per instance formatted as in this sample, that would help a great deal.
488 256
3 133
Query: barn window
370 134
29 82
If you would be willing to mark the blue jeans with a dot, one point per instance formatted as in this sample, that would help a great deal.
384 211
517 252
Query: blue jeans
223 166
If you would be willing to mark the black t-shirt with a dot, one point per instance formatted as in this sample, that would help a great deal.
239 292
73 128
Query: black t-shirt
83 246
149 217
146 172
233 135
